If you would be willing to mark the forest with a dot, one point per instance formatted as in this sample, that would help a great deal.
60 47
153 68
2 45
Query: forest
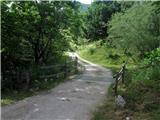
35 34
40 33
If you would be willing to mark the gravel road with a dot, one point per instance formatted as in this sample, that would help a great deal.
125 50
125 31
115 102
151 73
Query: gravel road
72 100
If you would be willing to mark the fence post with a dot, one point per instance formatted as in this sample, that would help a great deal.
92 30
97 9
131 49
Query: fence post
76 64
123 72
65 69
27 77
116 85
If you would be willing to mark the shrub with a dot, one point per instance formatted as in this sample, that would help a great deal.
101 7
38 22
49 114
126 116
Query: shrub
91 51
135 32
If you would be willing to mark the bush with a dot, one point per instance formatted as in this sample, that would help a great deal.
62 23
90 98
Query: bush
91 51
142 96
113 56
153 58
135 32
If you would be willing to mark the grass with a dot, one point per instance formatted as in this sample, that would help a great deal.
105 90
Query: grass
134 109
108 111
12 96
140 89
105 56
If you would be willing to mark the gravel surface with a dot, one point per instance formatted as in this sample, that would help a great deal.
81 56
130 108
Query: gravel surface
72 100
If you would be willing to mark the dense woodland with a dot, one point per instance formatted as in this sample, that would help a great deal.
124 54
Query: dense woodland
37 33
34 34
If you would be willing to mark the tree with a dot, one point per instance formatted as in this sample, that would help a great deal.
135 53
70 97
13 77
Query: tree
134 30
97 17
36 28
34 33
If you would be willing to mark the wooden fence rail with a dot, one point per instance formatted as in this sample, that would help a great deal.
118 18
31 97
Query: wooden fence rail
24 76
70 67
119 77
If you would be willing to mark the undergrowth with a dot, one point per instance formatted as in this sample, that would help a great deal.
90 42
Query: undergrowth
37 85
141 89
9 97
105 55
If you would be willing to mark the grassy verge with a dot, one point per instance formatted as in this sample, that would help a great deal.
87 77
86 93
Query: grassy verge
141 104
12 96
141 88
105 56
107 112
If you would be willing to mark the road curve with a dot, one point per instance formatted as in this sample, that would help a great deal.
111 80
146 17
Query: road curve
72 100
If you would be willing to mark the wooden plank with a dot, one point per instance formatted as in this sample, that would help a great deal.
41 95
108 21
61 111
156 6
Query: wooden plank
119 78
52 75
51 66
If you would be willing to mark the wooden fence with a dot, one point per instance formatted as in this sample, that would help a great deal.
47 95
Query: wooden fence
22 76
63 70
119 77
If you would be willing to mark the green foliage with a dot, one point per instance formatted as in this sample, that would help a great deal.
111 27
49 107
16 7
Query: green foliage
151 69
142 99
35 33
141 84
150 73
153 58
91 51
126 5
97 17
112 55
10 97
104 55
37 29
133 35
156 114
134 29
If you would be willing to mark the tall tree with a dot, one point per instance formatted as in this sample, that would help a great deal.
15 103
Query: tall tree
97 17
34 33
136 30
36 28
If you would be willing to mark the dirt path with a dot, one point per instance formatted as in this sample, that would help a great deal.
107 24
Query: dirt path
72 100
